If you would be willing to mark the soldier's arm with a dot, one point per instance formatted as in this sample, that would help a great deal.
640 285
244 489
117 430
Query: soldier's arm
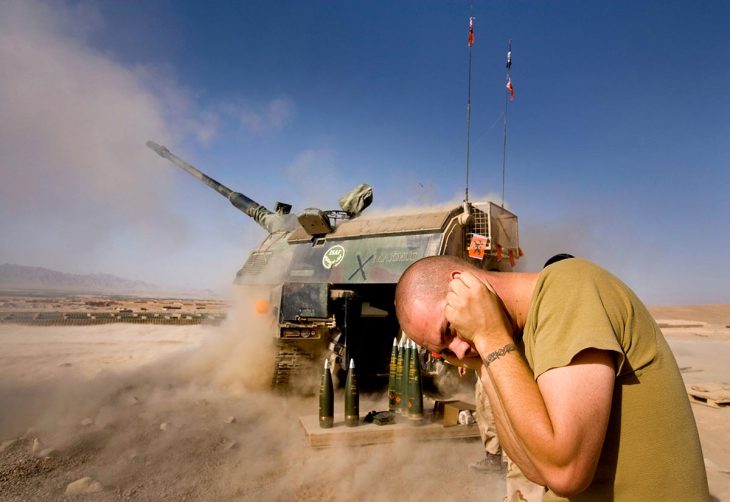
553 428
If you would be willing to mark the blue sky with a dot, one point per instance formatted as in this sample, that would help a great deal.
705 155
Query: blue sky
617 145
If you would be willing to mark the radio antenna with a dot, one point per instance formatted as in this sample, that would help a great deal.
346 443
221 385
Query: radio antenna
468 108
509 95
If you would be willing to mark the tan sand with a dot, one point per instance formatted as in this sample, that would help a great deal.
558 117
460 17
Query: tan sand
145 412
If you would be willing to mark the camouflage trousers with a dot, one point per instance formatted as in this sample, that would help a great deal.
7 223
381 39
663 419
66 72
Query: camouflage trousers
519 488
485 420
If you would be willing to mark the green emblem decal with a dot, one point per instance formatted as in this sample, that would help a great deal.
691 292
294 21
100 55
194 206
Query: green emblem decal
333 256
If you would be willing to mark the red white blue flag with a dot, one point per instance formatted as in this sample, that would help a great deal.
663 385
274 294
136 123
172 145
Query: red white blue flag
511 89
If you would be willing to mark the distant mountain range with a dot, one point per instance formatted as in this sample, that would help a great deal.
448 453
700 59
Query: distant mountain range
38 278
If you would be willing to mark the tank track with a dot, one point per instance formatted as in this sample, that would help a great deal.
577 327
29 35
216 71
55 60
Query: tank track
292 362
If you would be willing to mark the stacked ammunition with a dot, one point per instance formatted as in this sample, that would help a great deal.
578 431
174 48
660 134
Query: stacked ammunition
405 395
327 398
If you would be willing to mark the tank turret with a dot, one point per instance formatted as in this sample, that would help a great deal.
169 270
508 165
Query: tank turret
279 221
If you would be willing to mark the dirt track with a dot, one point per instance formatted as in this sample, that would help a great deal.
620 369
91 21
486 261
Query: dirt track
177 412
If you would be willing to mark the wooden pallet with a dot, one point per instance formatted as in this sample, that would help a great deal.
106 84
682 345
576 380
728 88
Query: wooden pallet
714 394
341 435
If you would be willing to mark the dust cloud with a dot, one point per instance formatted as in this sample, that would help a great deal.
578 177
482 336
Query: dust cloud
420 206
80 192
72 141
544 239
200 423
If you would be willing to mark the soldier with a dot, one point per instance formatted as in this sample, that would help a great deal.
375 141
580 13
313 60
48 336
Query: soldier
492 461
574 366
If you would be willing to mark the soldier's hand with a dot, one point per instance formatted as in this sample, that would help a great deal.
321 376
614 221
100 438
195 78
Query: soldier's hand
474 309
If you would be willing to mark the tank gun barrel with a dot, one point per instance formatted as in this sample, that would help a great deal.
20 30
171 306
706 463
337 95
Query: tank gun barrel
272 222
237 199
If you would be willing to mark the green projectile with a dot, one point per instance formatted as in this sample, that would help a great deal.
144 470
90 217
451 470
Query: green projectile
352 397
415 395
404 377
392 377
326 398
399 378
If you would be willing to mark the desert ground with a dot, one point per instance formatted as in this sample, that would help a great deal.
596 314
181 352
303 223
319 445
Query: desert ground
157 412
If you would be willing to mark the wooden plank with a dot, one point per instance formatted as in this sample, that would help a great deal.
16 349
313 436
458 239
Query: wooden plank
708 401
713 394
341 435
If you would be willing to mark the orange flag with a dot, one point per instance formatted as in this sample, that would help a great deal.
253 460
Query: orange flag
478 246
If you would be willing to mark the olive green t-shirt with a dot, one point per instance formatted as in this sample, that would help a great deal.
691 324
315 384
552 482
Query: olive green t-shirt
652 449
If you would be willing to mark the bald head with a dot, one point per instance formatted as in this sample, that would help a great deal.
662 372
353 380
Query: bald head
426 281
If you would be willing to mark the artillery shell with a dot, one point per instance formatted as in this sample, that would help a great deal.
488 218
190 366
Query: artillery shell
415 395
326 398
392 377
404 377
352 397
399 378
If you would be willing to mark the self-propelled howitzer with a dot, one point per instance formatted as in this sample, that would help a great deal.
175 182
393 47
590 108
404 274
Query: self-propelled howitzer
326 279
